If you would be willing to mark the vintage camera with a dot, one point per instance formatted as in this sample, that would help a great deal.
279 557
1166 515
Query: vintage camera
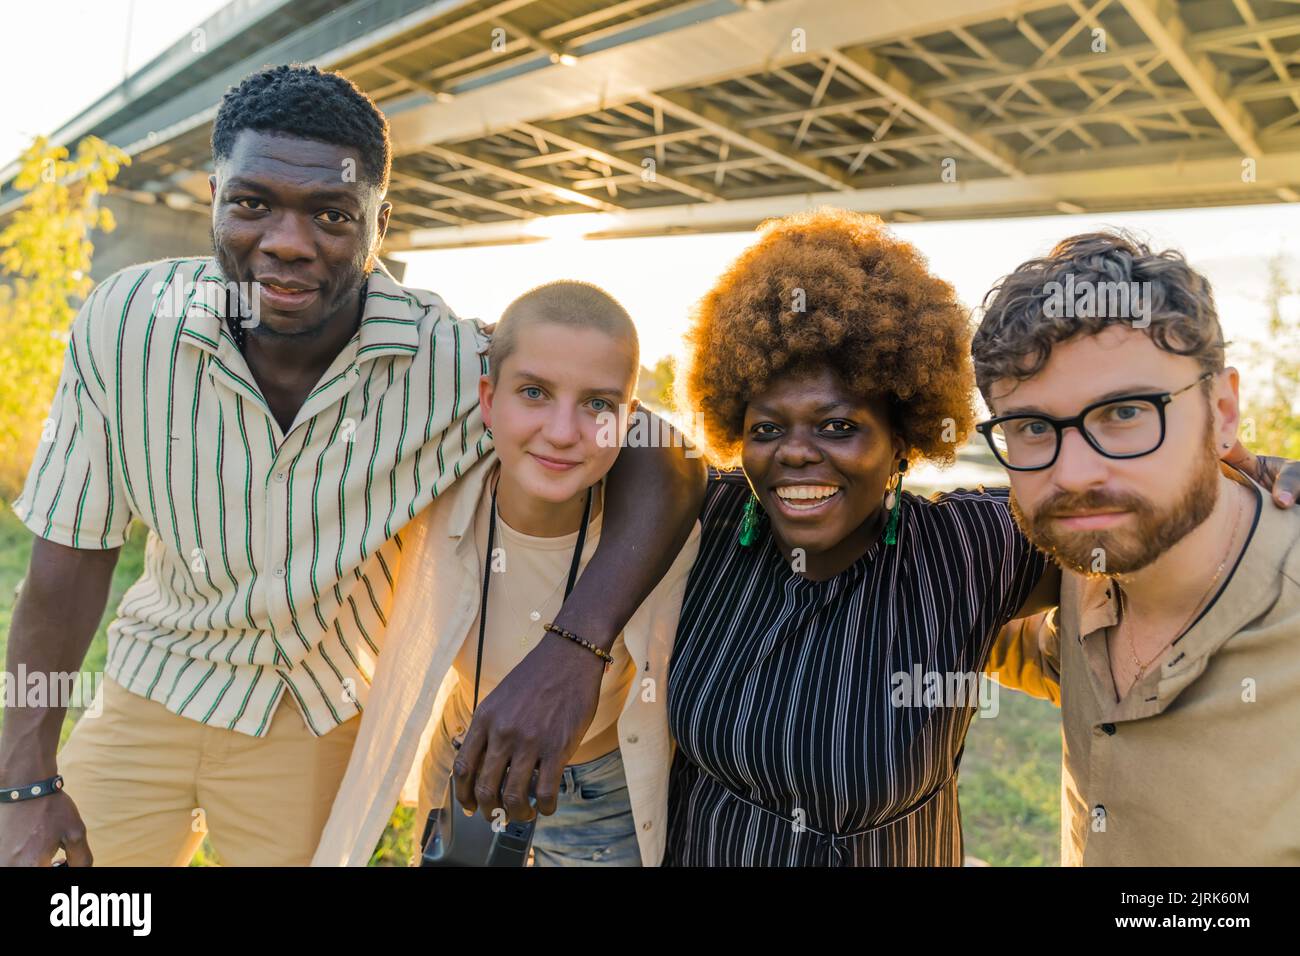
453 839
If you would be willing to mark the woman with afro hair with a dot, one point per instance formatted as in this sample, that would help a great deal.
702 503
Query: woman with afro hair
834 626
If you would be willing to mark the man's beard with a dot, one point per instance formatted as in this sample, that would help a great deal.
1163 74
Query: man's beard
1123 551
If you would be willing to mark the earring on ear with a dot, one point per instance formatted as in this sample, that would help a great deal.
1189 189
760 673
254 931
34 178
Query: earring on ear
749 521
894 502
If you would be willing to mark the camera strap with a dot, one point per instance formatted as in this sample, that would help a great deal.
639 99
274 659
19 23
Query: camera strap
487 577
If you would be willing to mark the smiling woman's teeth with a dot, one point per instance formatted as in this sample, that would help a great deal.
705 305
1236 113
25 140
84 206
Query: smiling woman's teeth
805 496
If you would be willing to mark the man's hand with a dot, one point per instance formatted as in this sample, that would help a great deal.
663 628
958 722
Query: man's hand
1280 475
31 831
534 719
49 635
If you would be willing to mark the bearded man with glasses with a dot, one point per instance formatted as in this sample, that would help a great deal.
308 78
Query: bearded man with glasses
1118 427
1175 652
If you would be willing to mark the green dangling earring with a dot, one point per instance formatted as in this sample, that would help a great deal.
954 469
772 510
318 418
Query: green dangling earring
894 504
749 521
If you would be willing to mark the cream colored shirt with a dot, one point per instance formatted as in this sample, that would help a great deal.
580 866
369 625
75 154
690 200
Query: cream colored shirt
1198 764
526 590
437 598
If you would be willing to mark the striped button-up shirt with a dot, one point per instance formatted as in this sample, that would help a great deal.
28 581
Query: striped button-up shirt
271 556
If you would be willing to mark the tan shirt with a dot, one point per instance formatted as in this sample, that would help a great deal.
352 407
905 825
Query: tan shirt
271 555
527 590
1198 765
437 600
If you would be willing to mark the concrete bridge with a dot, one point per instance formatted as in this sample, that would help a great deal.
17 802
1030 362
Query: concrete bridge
519 119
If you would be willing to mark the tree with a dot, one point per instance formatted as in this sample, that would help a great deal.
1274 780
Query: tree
656 385
1271 424
45 251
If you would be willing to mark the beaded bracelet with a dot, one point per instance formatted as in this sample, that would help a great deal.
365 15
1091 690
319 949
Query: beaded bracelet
605 656
41 788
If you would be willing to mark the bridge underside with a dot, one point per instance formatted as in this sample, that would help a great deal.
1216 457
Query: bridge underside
520 119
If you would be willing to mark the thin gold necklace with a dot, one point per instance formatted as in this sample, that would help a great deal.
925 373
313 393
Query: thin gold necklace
1209 591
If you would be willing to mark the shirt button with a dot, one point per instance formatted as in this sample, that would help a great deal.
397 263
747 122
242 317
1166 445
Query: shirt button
279 572
646 825
1108 729
632 739
279 476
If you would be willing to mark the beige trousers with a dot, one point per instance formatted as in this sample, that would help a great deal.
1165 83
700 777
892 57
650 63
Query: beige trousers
150 784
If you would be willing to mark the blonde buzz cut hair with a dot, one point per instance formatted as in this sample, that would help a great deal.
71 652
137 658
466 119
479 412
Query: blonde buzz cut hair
563 302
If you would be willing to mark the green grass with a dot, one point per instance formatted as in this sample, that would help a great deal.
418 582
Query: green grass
398 842
1009 782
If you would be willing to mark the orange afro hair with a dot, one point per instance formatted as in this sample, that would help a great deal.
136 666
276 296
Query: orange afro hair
871 311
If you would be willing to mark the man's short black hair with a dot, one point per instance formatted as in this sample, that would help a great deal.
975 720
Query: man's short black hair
299 100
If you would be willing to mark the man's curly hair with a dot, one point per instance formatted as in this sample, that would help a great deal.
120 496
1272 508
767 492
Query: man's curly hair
299 100
871 311
1018 331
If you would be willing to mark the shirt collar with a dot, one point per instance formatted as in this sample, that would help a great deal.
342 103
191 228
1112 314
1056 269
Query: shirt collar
390 318
1255 581
204 312
1098 605
470 490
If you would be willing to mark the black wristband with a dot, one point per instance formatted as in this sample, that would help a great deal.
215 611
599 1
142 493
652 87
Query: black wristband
31 791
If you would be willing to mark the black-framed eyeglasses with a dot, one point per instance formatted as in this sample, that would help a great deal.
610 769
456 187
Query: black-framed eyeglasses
1126 427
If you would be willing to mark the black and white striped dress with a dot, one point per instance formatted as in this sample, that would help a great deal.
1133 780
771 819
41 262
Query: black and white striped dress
791 747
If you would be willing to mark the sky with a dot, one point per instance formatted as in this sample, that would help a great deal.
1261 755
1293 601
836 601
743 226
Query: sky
105 39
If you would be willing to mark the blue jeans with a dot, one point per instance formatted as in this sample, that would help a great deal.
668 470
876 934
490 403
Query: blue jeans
592 824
